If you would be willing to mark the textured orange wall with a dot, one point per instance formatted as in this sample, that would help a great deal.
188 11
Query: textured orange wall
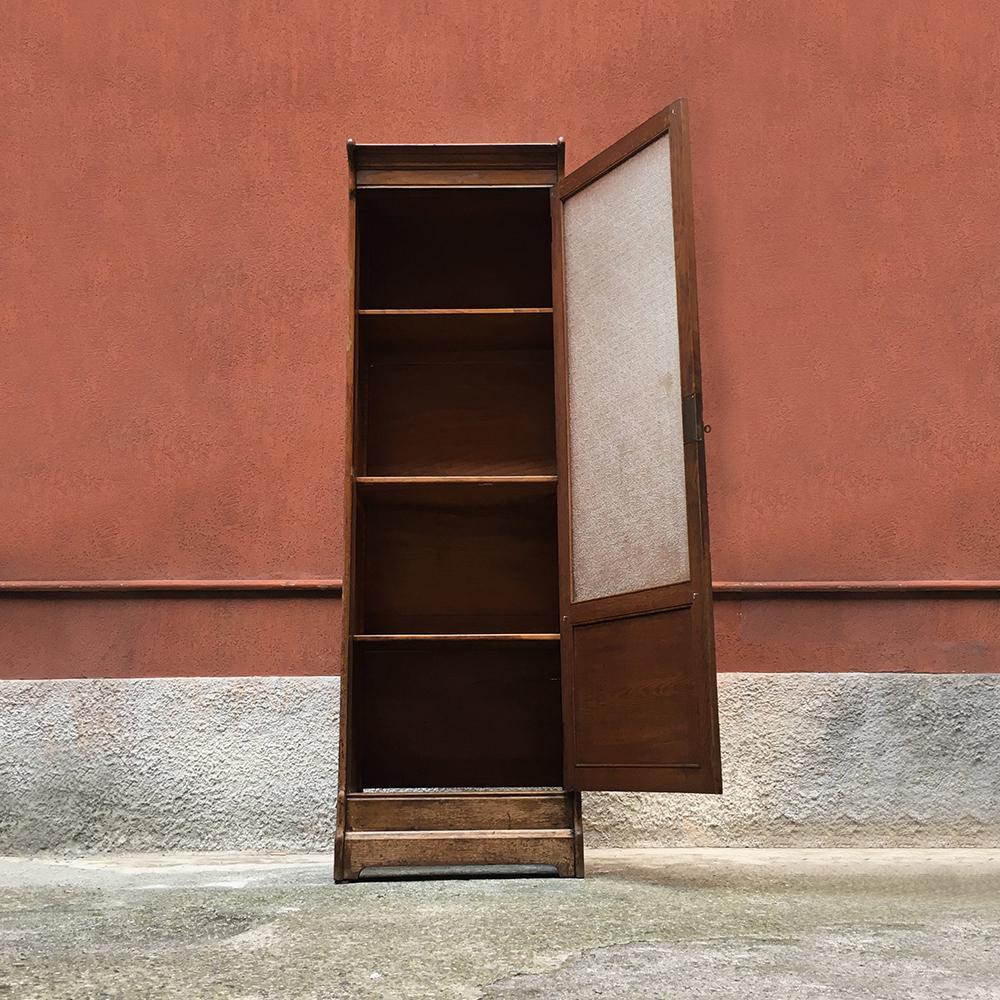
173 302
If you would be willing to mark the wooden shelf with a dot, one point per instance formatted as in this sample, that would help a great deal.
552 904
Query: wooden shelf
503 337
457 480
528 310
464 637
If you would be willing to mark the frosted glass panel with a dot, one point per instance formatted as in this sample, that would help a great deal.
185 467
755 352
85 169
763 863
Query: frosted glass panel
629 516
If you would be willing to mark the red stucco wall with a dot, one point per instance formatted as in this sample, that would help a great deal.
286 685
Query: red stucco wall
173 302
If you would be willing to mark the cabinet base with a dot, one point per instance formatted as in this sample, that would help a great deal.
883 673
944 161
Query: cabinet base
441 831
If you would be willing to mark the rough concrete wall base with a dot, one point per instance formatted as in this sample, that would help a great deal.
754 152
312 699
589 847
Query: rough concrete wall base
833 760
192 763
251 763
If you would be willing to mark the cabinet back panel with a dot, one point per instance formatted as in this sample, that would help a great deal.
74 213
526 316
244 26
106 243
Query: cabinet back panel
466 413
459 558
477 248
446 717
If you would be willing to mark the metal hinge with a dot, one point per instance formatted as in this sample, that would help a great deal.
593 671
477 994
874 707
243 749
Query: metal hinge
693 428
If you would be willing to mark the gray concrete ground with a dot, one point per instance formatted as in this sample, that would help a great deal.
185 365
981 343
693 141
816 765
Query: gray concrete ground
792 924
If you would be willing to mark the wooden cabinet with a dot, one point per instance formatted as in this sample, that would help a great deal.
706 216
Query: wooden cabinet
528 594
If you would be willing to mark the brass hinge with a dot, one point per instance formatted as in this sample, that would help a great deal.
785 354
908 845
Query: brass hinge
694 430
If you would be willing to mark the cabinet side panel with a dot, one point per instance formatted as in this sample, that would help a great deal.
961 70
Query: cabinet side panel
345 774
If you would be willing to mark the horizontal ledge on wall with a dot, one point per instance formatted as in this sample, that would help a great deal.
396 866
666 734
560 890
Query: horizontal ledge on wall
792 588
721 588
187 586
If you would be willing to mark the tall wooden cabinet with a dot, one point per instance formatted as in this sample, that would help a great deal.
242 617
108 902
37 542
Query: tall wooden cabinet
527 596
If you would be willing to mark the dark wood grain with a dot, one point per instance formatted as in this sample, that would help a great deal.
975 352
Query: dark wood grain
459 412
563 527
438 248
490 158
459 558
462 637
639 690
457 715
346 773
452 666
441 177
510 311
702 662
638 702
466 848
388 332
460 811
376 482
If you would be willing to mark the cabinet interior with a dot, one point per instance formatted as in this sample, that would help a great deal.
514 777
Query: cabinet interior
457 394
445 714
454 248
455 675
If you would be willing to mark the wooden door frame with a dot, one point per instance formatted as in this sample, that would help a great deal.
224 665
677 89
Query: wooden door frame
696 592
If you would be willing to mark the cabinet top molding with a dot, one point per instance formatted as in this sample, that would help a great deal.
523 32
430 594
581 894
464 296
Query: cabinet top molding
443 164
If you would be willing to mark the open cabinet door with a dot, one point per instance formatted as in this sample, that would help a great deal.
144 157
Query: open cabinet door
638 656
